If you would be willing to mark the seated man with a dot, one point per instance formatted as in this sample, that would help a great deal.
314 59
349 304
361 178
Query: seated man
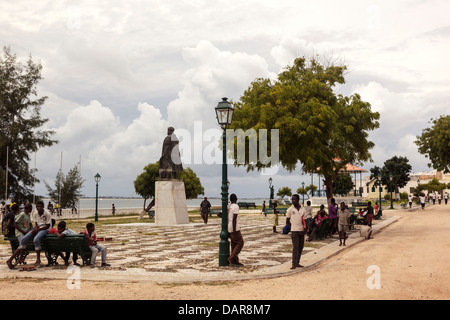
43 220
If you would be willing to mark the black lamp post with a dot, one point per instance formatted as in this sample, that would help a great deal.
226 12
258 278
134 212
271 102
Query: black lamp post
379 190
224 115
303 193
390 187
97 179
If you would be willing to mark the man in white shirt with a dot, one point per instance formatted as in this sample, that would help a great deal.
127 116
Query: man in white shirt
296 219
422 200
237 242
43 219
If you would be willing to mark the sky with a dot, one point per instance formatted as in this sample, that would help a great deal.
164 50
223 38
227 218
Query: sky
118 73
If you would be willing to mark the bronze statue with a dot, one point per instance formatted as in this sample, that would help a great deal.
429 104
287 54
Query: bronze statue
170 161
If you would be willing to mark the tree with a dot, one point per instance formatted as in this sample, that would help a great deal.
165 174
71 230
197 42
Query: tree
20 123
434 143
343 184
398 167
311 188
68 187
144 185
285 191
321 130
192 183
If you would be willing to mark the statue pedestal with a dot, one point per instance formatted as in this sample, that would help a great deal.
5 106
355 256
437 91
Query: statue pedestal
170 203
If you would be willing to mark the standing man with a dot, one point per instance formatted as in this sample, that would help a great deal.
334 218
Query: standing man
410 199
332 215
237 242
308 216
344 221
205 208
295 217
43 220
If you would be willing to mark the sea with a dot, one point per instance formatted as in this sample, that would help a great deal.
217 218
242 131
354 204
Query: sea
138 203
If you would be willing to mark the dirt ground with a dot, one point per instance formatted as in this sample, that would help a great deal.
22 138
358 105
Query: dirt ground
411 258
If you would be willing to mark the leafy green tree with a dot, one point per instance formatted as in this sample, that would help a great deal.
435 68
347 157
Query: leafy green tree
21 131
192 183
144 185
399 168
318 128
434 143
67 186
343 184
285 191
311 188
434 186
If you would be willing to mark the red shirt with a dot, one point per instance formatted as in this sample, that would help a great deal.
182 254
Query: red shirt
92 239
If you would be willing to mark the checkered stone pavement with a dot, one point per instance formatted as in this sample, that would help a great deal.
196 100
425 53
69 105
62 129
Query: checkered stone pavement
192 248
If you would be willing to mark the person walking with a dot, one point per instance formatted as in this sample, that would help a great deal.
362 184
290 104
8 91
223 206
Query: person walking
422 200
295 217
205 208
237 242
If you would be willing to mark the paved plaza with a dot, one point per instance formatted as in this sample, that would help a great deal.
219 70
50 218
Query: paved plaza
142 251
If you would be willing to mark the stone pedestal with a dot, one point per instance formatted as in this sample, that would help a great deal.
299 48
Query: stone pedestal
170 203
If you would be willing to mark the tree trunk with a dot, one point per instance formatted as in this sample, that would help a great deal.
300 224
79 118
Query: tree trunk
329 188
146 210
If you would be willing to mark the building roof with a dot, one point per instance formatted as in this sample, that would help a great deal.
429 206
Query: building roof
351 168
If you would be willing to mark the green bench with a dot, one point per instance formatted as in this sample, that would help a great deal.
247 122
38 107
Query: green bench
247 204
279 210
360 204
215 211
52 246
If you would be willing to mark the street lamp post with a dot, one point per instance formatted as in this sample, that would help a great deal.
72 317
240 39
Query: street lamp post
224 114
390 187
271 187
379 190
97 178
303 193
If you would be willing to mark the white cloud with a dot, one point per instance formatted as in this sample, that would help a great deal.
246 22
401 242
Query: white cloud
213 74
117 73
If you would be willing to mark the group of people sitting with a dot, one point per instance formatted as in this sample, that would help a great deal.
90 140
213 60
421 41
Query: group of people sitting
20 224
337 219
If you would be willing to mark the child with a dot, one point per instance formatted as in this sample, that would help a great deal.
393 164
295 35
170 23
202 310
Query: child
61 233
95 248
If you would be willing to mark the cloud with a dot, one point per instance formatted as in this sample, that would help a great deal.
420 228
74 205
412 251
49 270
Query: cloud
117 73
212 74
